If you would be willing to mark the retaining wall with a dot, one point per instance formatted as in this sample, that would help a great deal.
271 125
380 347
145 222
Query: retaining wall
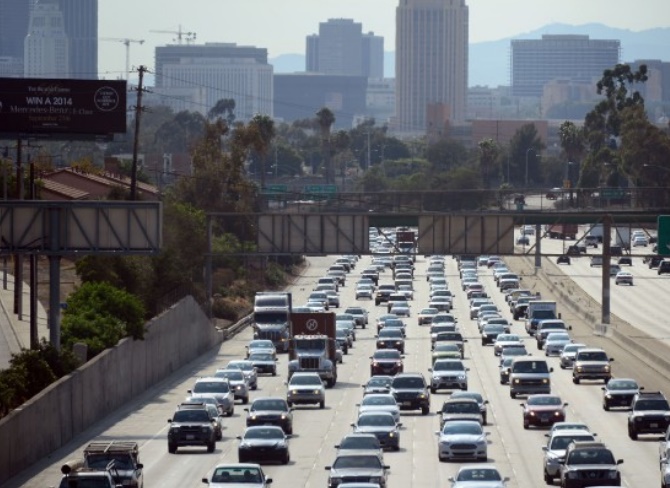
75 402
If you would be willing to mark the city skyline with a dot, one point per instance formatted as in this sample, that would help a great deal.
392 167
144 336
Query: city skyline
281 30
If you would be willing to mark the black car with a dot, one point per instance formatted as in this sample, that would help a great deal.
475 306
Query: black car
650 414
391 339
386 362
270 411
663 267
563 259
191 427
619 392
589 464
264 362
625 260
263 443
411 392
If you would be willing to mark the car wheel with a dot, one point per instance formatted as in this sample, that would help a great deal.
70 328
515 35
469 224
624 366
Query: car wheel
289 430
245 400
526 424
286 459
512 395
322 404
232 411
172 448
274 372
211 446
575 380
433 390
290 404
255 387
606 407
440 458
548 479
484 420
632 434
424 410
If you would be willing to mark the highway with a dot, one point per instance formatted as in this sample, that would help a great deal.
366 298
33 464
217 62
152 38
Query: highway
515 451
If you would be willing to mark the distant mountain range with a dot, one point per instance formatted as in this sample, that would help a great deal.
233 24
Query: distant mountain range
489 61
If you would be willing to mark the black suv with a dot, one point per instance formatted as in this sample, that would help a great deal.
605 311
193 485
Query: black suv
664 267
589 464
650 414
191 427
411 392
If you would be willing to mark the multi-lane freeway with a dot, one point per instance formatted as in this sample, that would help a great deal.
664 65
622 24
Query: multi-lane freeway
515 451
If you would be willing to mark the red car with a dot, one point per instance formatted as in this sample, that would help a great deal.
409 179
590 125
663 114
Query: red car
543 410
386 362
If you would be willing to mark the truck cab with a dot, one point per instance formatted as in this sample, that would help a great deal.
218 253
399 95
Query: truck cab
272 311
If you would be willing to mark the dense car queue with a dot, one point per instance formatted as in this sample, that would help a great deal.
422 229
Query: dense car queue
573 455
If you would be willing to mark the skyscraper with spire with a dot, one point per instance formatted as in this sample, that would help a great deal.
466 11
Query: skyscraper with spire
431 61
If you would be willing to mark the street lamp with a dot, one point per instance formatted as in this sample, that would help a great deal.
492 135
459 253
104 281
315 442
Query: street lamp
527 151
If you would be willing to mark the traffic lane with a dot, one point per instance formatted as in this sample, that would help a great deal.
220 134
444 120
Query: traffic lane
585 404
630 303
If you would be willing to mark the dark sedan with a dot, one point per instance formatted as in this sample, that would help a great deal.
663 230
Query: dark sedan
543 410
391 339
619 392
263 443
270 411
386 362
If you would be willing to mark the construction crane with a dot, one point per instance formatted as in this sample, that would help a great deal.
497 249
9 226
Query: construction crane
126 42
189 37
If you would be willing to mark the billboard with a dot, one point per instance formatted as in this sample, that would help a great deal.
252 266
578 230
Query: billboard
51 108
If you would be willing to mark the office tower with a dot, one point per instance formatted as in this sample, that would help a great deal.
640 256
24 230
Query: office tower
431 61
223 71
46 48
536 62
81 27
341 48
14 17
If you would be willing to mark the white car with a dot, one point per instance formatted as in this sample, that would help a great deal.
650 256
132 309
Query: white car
239 474
623 278
461 439
478 476
305 388
379 402
555 342
364 291
568 354
640 241
554 451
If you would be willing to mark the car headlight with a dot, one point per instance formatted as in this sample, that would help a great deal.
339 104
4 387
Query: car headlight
283 416
294 392
516 381
253 417
606 369
608 395
612 474
579 369
207 428
572 474
558 413
532 414
545 381
461 376
375 479
316 392
375 363
238 387
422 395
391 434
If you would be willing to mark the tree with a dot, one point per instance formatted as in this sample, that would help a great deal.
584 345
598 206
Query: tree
261 132
325 120
446 154
525 147
225 107
488 155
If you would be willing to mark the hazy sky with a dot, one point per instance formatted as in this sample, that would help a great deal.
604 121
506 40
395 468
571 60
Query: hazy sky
281 25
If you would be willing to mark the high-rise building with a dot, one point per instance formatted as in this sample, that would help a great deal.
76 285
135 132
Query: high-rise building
341 48
14 18
576 58
81 27
431 61
46 48
223 71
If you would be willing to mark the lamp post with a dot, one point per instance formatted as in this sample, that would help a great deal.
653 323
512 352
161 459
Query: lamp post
526 178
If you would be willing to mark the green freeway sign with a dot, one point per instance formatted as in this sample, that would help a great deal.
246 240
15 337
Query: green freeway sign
318 189
612 193
274 189
663 235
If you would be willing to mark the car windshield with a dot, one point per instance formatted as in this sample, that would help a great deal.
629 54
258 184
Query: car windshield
261 345
185 416
376 421
572 348
393 333
562 442
436 329
387 354
243 365
344 316
379 381
394 323
466 394
233 474
429 311
306 380
264 433
101 461
378 400
590 456
273 404
660 404
448 366
211 387
622 385
531 367
557 337
360 442
476 474
452 428
447 348
592 356
231 374
409 382
349 462
544 400
460 407
355 311
493 328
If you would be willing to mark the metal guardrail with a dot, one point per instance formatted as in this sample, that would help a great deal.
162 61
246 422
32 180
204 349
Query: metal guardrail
237 327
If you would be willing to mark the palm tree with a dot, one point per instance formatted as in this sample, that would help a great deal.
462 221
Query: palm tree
262 132
325 120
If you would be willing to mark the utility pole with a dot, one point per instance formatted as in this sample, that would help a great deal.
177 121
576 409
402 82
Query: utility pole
136 142
18 258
